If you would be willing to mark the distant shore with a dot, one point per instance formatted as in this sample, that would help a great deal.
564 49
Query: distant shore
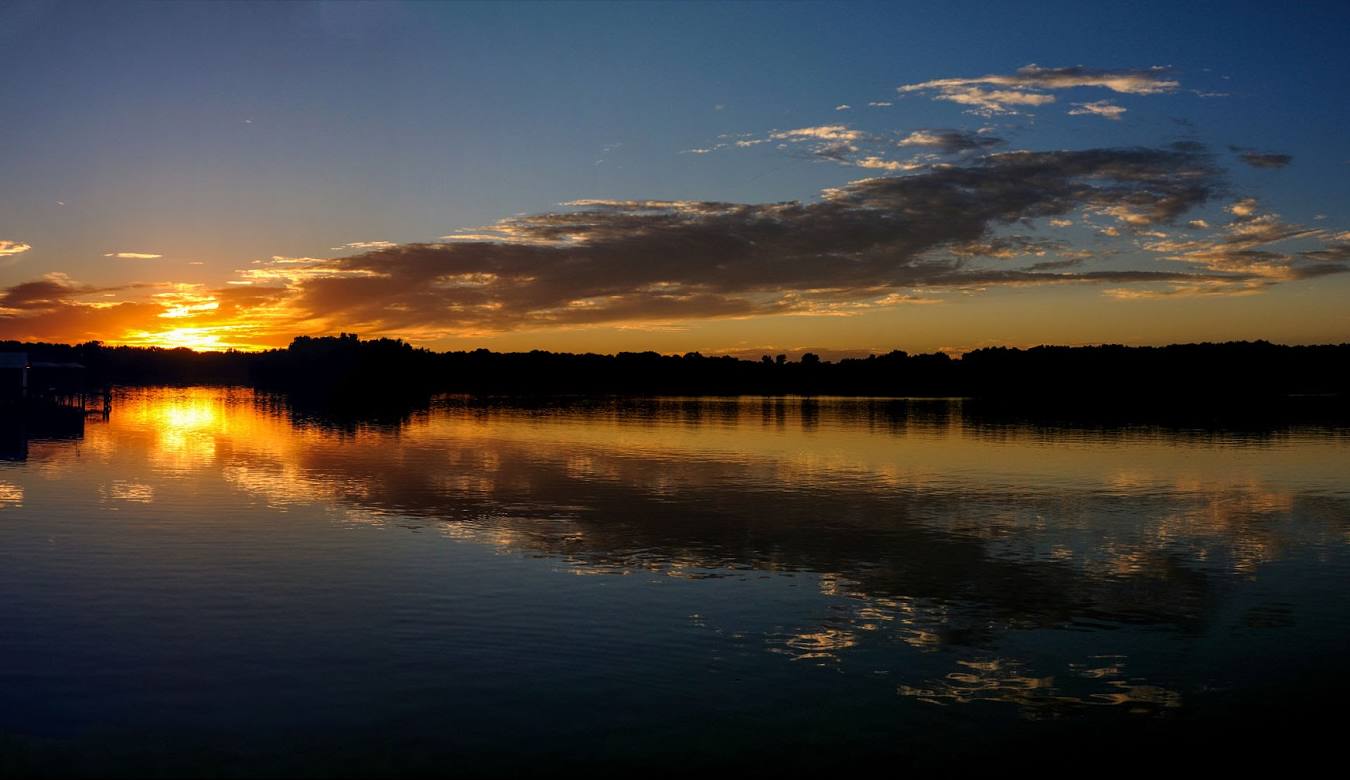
1254 376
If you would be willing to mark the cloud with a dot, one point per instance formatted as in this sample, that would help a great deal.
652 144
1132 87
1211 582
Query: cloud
1262 159
12 248
1069 261
951 141
820 133
1148 81
607 261
1262 247
50 308
871 243
836 143
999 93
367 244
51 290
1006 247
993 101
842 107
1335 250
882 164
847 146
1101 108
57 308
134 255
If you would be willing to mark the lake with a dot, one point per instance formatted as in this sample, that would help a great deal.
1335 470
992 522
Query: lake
213 581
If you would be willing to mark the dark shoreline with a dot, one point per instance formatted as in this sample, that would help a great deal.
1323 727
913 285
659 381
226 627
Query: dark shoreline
1233 375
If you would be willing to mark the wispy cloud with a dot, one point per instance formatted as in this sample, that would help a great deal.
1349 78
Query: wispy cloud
1030 85
11 248
1257 159
134 255
849 146
882 164
1101 108
820 133
993 101
951 141
1147 81
1260 246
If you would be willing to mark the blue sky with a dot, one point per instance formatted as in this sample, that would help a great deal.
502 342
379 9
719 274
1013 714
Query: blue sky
219 134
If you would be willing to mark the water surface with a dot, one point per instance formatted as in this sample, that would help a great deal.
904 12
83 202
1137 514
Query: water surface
215 581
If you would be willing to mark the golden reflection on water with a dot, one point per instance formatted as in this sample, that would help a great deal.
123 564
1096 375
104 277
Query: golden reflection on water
1018 491
186 426
1005 680
136 492
912 521
1027 486
10 494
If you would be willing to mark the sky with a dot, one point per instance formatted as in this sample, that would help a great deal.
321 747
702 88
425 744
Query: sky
748 178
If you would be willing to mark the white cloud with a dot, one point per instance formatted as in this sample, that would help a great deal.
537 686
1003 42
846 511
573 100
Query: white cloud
879 163
1101 108
1127 81
134 255
820 133
993 101
1021 88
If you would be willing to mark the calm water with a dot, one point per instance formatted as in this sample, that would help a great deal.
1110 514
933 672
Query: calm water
209 580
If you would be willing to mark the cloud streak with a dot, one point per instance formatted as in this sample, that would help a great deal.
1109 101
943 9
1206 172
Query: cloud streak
951 141
1263 159
1030 86
1260 248
12 248
1102 108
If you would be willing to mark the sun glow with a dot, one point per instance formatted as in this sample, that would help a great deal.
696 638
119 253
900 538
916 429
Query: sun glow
201 339
204 338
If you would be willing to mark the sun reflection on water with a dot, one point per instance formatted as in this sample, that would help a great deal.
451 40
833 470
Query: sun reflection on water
10 494
936 540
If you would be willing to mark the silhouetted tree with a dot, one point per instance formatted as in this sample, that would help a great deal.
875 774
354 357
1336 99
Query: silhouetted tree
347 369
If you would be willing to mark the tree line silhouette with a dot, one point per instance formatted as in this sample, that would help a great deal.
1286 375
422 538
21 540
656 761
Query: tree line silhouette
347 367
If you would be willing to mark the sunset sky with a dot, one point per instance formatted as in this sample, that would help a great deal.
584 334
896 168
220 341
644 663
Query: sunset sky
747 178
